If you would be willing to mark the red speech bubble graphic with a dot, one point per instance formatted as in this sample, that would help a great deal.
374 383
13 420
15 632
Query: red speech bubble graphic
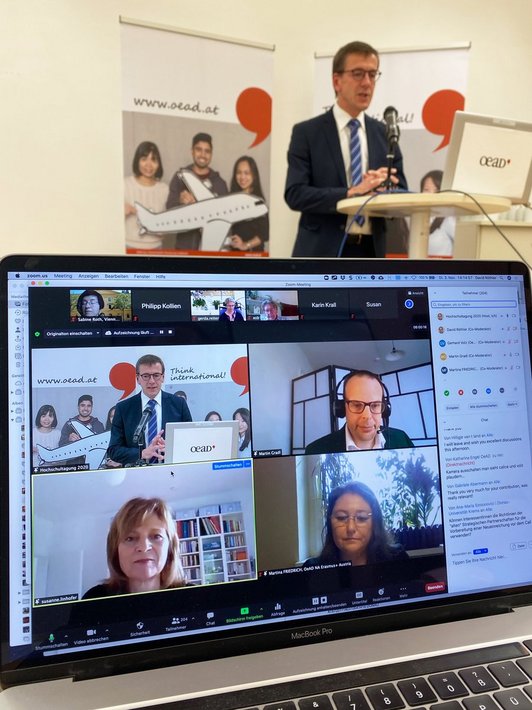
239 373
438 113
254 111
123 377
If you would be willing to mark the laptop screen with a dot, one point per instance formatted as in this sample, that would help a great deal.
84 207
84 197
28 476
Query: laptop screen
383 419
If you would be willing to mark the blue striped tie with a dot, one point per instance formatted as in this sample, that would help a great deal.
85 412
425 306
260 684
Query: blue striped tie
152 426
354 151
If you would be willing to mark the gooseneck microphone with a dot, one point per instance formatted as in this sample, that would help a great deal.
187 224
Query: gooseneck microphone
142 423
392 129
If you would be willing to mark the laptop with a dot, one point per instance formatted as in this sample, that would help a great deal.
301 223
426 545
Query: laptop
369 545
489 156
201 441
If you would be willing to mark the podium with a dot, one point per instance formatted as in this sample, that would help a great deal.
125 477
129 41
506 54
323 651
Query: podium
420 207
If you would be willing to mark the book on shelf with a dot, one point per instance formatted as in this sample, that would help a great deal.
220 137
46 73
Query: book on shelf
211 525
232 525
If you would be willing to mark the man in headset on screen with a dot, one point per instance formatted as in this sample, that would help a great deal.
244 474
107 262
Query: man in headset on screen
366 408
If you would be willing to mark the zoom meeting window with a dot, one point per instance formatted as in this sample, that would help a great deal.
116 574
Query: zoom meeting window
269 495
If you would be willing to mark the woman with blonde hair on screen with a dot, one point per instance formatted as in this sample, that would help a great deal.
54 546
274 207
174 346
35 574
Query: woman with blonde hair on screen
142 550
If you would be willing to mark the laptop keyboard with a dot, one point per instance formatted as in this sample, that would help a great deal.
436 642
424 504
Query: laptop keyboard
493 678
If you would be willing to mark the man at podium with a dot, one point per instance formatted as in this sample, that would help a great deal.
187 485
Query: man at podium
341 153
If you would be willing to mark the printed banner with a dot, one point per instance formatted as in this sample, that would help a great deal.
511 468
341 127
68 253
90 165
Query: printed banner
196 132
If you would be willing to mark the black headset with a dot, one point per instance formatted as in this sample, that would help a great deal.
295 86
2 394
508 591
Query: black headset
339 404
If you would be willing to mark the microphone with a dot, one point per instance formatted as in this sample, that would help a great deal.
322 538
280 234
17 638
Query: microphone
142 423
392 129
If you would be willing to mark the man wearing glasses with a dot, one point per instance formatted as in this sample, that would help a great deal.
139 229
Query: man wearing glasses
338 154
163 408
366 408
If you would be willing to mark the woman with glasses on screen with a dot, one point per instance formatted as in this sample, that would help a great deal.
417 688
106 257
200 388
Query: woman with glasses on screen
230 310
354 529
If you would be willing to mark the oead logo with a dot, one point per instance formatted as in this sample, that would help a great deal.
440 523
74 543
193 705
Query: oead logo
490 162
202 449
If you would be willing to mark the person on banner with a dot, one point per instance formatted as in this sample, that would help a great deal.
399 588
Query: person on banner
84 416
110 417
366 407
69 432
146 188
45 432
442 229
179 194
128 444
242 415
339 154
252 234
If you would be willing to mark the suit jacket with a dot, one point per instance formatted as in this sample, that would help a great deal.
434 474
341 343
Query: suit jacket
127 416
316 181
334 443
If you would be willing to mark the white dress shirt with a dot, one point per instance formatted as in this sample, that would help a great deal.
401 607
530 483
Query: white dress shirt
342 119
378 443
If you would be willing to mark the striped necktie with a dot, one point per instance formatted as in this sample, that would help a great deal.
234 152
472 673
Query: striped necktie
354 151
152 422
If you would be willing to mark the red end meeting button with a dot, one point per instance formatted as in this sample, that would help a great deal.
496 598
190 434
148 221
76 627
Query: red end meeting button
432 587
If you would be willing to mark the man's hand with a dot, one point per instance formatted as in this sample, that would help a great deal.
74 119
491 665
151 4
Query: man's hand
186 198
238 243
372 181
155 449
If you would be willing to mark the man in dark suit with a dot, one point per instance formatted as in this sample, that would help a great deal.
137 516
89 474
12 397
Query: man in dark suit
320 168
167 408
366 407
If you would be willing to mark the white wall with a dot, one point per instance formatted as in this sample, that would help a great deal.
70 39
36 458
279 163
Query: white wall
60 120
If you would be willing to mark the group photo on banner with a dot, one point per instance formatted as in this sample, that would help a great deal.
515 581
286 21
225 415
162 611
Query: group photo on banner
196 148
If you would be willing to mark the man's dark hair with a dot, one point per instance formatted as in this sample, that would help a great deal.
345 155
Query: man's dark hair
202 138
85 398
351 48
149 360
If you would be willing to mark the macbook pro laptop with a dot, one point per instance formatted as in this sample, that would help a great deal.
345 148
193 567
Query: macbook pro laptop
369 544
